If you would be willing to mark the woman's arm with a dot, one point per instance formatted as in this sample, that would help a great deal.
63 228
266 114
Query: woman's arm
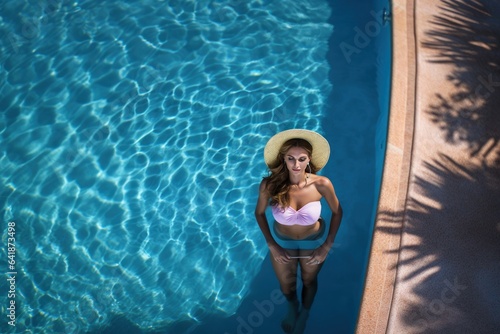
279 254
325 188
260 214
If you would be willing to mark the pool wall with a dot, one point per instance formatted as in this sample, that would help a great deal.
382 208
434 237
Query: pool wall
381 275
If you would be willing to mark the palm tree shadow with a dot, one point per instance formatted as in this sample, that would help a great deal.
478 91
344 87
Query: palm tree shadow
451 232
452 240
466 34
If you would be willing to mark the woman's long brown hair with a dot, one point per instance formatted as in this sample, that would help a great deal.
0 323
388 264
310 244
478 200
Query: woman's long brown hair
278 182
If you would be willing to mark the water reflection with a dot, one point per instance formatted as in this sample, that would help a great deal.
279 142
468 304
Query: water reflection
130 135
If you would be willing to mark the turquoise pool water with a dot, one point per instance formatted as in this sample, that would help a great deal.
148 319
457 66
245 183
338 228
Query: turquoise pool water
131 148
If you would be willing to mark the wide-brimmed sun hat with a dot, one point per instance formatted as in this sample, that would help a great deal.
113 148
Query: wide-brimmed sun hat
320 152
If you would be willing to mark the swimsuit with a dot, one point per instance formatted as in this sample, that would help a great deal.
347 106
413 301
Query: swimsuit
309 214
306 215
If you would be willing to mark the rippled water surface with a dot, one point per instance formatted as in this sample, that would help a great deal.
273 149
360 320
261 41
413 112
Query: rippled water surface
131 147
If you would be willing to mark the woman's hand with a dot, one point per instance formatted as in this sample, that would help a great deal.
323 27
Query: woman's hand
279 254
319 255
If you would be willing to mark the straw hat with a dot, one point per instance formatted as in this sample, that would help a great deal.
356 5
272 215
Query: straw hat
321 148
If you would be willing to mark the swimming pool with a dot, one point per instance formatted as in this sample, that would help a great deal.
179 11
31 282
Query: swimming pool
131 149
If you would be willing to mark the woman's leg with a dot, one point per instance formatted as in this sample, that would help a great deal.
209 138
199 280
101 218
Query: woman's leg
309 273
287 277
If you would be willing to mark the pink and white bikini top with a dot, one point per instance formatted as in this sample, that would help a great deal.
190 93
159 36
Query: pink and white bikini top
306 215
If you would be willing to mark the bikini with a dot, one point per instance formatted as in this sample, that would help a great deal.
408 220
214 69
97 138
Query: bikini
307 215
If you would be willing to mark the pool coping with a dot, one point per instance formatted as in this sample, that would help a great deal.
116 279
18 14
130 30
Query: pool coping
384 253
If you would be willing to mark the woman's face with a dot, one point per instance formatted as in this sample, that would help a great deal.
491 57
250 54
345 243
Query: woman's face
296 160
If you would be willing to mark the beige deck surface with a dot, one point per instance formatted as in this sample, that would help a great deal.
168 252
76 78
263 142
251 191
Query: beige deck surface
435 259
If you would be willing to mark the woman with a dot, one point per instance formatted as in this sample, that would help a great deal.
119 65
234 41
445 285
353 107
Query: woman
294 191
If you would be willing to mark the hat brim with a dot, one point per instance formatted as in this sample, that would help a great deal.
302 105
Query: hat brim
321 147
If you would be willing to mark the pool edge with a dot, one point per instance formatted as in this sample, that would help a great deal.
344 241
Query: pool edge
384 253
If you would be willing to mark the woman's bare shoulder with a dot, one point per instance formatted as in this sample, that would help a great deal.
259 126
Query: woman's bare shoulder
321 181
323 184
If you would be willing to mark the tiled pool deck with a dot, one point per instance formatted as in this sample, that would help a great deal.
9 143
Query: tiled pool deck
435 258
